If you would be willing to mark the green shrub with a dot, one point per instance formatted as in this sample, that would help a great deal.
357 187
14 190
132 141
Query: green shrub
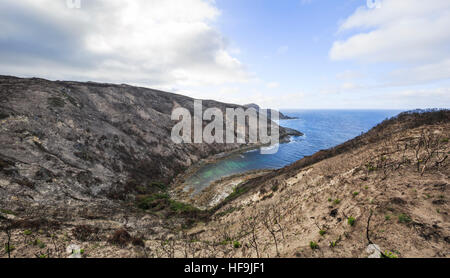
227 211
181 207
153 201
39 243
387 217
160 201
403 218
351 221
275 187
322 232
27 232
313 245
6 211
238 191
389 255
337 201
224 242
355 194
236 244
333 244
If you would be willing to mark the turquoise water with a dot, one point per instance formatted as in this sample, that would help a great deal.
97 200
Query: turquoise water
323 129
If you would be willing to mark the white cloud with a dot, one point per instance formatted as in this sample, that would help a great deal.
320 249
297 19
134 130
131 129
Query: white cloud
401 30
420 74
349 86
411 34
152 42
427 93
349 75
273 85
417 98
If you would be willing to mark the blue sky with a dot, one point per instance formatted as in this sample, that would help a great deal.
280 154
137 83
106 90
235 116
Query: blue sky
311 54
288 43
285 42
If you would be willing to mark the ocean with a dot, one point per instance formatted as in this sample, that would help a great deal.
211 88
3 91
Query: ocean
322 130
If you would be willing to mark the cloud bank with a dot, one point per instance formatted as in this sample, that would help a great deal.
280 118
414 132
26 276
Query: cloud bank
157 43
413 35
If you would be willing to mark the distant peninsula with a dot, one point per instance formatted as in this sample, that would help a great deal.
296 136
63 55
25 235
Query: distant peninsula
257 107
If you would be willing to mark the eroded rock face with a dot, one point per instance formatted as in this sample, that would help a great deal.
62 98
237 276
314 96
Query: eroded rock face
74 142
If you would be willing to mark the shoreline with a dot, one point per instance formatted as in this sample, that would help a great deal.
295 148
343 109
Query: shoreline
182 177
219 186
217 191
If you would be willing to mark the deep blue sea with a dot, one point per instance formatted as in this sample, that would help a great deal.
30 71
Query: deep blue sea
323 129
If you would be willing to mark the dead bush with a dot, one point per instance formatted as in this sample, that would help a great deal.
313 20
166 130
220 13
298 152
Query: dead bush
86 233
120 237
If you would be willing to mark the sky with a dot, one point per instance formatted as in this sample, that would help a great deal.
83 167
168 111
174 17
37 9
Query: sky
288 54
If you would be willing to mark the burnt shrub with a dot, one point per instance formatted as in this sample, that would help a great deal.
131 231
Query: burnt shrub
120 237
25 182
5 163
86 233
3 116
44 175
86 155
143 188
35 224
56 102
138 241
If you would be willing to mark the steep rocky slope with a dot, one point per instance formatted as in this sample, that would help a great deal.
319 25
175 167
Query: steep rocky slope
388 187
70 140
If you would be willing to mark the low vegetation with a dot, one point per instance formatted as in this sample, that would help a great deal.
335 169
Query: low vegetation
404 218
351 221
313 245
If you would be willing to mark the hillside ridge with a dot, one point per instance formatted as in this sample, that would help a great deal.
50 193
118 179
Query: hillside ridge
64 180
